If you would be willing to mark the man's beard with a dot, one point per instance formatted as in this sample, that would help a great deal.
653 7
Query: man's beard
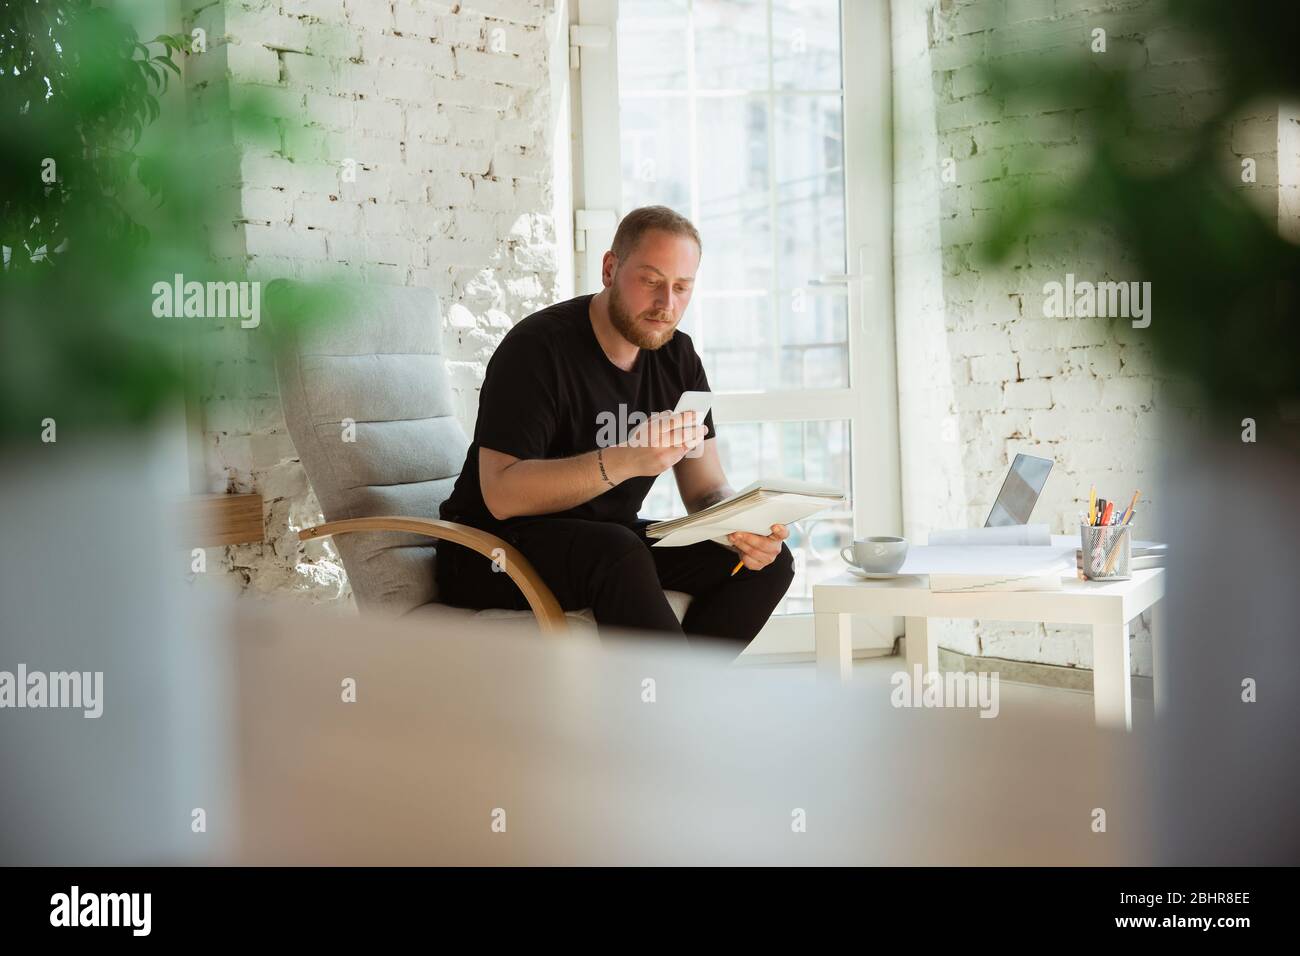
628 325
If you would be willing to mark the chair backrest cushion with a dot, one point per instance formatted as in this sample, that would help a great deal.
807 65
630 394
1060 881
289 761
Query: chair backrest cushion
369 407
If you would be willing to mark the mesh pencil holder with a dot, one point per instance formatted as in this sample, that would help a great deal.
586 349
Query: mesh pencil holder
1107 552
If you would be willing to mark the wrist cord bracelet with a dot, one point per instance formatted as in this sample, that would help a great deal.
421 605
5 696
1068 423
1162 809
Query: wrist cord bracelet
601 461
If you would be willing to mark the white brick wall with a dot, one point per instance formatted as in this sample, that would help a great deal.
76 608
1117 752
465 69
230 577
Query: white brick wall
446 109
982 374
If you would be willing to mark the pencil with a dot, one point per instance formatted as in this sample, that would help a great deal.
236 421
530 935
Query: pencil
1131 505
739 564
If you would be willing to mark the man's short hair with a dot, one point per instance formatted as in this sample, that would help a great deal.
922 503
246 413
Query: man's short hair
639 221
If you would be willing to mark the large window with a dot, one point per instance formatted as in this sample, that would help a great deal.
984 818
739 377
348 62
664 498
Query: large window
733 113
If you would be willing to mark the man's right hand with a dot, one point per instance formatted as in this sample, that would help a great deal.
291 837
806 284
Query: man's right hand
661 442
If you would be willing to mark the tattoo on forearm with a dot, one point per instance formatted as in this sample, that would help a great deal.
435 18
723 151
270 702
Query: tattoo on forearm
712 498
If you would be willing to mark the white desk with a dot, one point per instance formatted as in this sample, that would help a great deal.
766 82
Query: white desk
1108 608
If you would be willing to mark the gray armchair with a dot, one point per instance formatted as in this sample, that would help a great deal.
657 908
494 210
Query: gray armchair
380 365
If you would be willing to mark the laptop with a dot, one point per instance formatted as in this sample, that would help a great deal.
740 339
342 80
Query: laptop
1020 491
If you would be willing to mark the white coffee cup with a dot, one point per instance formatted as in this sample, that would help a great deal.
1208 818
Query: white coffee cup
877 555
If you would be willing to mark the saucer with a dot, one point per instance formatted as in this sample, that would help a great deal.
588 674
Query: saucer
874 575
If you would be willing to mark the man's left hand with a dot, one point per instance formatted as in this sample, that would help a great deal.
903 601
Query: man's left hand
757 550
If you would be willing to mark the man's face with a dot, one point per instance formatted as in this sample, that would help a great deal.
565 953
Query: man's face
652 287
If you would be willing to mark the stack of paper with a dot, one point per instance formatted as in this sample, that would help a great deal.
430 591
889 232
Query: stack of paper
1004 567
755 508
1011 558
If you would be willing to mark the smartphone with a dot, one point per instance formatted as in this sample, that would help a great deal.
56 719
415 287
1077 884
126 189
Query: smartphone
699 403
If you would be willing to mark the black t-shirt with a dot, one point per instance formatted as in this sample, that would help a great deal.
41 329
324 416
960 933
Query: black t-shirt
551 392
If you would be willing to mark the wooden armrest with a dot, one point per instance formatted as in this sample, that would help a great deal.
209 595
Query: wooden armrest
547 610
210 521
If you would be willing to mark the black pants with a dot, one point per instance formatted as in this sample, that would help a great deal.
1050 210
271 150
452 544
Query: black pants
612 569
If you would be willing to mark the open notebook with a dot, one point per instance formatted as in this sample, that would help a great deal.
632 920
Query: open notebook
754 508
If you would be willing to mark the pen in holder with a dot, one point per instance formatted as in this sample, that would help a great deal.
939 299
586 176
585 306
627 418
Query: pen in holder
1107 551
